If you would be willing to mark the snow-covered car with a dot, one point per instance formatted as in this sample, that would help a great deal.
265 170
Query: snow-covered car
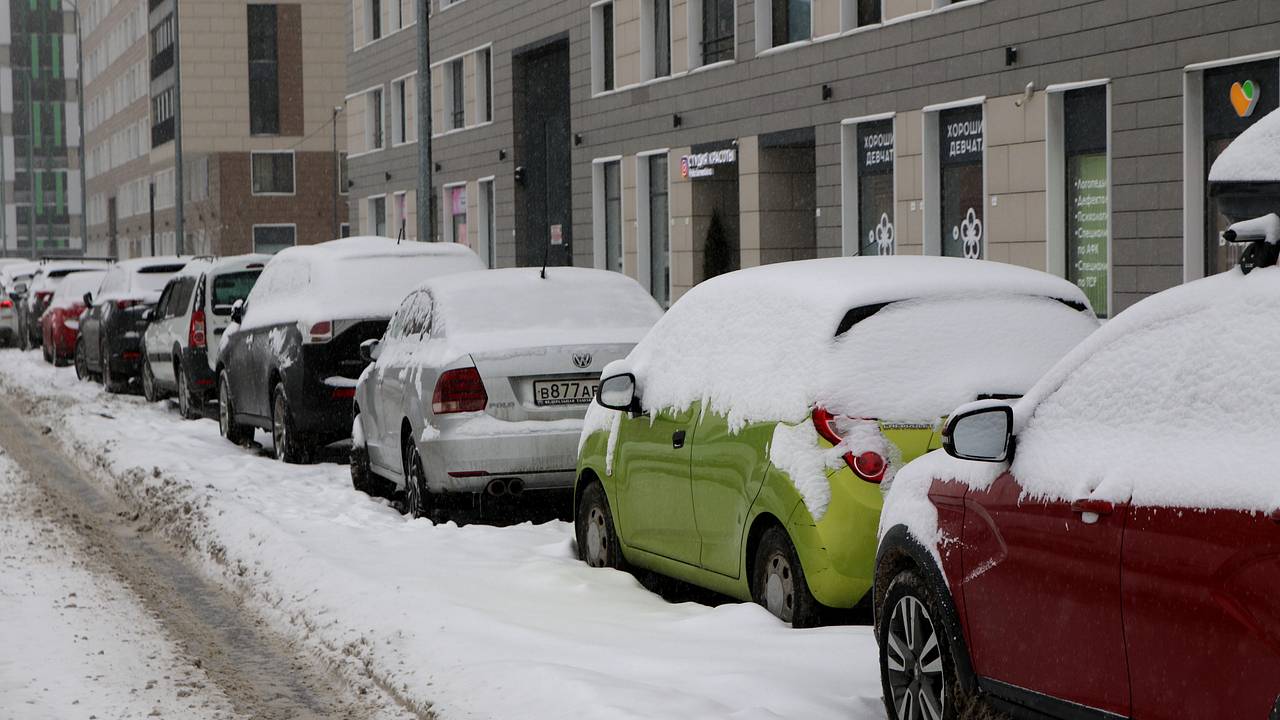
481 382
291 357
110 342
44 282
60 323
194 310
14 279
743 445
1109 545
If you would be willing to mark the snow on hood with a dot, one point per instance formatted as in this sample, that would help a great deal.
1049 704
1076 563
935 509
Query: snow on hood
760 344
1174 403
1254 156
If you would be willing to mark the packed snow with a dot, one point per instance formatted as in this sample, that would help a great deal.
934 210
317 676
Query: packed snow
1174 403
475 621
1254 156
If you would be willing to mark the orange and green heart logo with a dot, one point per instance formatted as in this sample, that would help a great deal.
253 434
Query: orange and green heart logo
1244 98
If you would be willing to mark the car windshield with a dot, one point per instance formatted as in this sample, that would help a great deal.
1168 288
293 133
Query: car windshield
230 287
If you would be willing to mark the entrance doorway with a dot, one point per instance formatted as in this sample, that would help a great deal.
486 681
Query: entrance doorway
788 196
543 220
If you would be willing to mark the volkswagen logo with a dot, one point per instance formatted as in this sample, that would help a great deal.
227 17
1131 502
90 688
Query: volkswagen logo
582 360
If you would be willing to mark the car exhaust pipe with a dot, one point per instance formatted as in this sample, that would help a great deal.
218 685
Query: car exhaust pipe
515 487
496 488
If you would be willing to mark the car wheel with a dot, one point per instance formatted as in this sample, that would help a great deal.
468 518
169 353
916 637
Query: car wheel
778 582
597 537
44 351
917 655
288 446
361 472
149 391
188 405
82 362
231 430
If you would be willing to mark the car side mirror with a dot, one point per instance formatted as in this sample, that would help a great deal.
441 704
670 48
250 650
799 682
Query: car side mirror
88 300
981 431
237 312
618 392
370 350
148 315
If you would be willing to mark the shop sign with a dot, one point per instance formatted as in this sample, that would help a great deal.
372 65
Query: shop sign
1087 229
875 147
703 160
962 136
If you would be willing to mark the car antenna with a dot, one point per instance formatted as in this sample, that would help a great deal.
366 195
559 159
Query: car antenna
400 235
546 255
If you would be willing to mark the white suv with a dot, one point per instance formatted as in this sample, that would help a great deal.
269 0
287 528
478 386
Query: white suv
194 311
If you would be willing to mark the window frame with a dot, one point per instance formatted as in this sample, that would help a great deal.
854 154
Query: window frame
381 116
604 56
372 222
293 181
697 29
446 218
264 67
931 176
455 94
253 233
600 209
850 182
484 85
487 220
644 231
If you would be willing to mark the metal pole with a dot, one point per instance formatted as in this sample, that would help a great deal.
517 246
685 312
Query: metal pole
84 197
424 121
152 194
31 169
337 170
179 199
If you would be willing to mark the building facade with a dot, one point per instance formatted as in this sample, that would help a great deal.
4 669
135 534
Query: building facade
676 139
263 135
39 119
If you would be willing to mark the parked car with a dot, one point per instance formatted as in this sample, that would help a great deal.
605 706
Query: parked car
742 446
110 342
60 323
481 381
289 362
44 282
193 311
1109 545
14 279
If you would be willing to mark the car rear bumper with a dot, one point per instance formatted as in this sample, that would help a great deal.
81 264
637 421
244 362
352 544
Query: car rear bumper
195 365
468 456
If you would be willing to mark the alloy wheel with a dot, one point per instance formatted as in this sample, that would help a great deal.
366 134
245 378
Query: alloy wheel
82 363
224 409
279 428
184 396
914 658
148 383
599 543
415 486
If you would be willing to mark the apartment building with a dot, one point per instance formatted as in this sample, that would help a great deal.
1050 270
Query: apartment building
39 120
263 136
676 139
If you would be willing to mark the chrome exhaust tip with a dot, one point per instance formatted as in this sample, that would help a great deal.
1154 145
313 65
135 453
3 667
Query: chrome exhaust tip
515 487
496 488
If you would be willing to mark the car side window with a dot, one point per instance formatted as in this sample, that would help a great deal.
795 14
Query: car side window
419 321
162 305
395 330
182 298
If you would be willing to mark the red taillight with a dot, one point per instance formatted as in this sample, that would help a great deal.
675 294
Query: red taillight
869 465
321 331
6 304
343 393
195 334
44 295
459 390
125 304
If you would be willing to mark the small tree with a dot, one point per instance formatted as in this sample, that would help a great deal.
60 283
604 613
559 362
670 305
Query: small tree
717 254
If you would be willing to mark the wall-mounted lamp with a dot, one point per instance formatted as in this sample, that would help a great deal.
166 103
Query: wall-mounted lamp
827 92
519 175
439 167
1011 55
502 155
676 120
577 138
387 175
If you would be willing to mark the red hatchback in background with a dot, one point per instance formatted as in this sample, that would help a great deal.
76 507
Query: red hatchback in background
1109 545
60 323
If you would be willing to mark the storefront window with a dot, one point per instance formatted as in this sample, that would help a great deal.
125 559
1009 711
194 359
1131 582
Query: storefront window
1087 182
613 216
659 231
458 214
960 132
875 188
1235 97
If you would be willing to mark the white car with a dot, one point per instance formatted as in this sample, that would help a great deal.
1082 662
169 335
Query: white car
480 384
14 279
193 312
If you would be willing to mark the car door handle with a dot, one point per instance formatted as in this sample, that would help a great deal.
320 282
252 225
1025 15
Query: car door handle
1097 507
677 439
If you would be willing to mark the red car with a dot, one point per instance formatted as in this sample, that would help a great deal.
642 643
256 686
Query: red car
60 323
1108 546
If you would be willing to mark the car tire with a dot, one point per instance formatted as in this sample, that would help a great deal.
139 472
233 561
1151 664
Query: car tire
189 405
288 446
778 582
233 431
82 363
44 351
597 536
149 390
418 500
919 675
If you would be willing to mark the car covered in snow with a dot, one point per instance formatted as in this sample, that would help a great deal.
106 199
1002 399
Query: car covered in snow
194 310
44 282
1108 545
481 382
743 445
110 342
60 323
14 279
291 357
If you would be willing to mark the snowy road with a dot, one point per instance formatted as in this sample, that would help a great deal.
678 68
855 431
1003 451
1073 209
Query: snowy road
472 622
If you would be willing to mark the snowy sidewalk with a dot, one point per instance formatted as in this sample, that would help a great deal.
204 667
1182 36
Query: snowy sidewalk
473 622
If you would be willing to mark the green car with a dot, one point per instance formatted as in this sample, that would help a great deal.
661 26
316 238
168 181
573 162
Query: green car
744 445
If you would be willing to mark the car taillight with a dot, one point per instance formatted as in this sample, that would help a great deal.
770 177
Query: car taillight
125 304
44 295
321 332
6 304
868 465
343 393
459 390
195 334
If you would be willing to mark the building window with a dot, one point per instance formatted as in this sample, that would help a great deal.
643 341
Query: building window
1087 220
659 230
607 214
273 173
400 214
344 180
271 239
961 181
400 112
161 123
602 60
656 27
378 216
455 98
373 19
456 229
870 210
791 21
344 230
488 224
484 85
264 71
373 138
717 31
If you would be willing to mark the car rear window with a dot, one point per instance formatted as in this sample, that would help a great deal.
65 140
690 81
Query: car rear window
230 287
526 302
154 277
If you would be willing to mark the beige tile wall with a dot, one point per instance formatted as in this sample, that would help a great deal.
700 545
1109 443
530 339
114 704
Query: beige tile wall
749 201
898 8
908 189
1015 214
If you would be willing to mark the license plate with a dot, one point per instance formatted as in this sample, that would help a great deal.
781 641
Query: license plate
564 392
